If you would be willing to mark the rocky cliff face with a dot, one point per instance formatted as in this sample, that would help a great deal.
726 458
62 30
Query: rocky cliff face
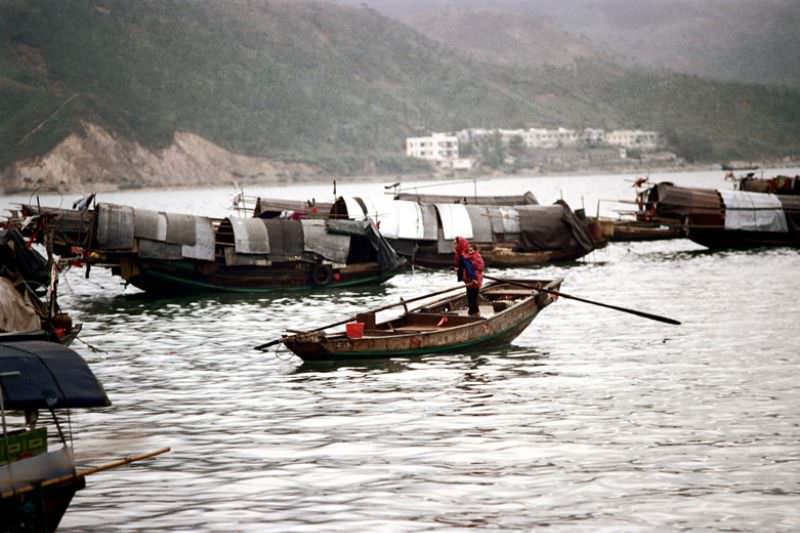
99 161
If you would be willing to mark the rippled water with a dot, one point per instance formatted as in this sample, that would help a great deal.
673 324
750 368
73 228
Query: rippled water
590 420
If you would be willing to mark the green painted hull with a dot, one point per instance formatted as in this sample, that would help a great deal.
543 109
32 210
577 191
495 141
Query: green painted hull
181 277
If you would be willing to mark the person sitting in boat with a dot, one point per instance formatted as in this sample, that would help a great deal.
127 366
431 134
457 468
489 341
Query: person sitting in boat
470 271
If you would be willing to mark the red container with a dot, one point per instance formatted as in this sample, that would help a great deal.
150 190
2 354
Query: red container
355 330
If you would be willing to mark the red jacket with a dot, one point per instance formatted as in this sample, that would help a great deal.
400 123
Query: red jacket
477 262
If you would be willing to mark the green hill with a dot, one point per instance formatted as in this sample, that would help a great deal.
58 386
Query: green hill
330 85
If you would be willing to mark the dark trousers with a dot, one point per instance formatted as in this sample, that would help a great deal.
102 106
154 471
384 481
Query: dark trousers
472 300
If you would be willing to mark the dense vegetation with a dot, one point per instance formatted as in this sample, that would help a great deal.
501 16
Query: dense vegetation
340 87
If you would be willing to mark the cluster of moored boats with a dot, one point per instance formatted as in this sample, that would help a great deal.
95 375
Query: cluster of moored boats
304 245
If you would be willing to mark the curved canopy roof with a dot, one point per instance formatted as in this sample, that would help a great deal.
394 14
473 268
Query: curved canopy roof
37 374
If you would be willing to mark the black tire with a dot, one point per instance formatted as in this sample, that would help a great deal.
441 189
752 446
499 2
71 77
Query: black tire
321 274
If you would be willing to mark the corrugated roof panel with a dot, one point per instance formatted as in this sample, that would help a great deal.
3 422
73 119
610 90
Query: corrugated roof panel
203 248
150 225
115 224
250 235
455 221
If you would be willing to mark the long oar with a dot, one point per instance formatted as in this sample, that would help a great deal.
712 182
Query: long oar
584 300
266 345
53 481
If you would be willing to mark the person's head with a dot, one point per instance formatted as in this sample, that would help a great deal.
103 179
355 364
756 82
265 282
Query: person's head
460 245
471 248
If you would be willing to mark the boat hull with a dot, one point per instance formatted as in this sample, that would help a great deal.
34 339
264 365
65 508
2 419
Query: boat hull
499 329
498 257
40 509
719 239
181 277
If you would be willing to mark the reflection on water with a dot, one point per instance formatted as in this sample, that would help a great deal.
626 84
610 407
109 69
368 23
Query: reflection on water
590 420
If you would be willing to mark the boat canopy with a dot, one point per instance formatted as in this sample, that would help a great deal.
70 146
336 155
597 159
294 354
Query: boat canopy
397 219
38 374
753 211
553 227
735 210
468 199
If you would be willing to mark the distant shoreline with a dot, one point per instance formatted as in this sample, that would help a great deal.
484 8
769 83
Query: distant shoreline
106 187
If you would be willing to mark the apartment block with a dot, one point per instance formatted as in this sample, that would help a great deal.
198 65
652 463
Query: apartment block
437 147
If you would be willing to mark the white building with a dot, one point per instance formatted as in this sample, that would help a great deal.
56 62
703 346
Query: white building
507 135
594 136
545 138
636 139
437 147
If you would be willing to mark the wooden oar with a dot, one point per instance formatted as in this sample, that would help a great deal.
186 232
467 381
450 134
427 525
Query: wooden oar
584 300
402 302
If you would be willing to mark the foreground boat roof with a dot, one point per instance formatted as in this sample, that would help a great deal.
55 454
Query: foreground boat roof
37 374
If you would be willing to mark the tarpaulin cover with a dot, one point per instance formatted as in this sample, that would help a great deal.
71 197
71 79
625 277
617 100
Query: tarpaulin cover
50 376
164 251
398 219
430 222
385 255
753 211
285 239
180 229
331 246
115 225
791 208
455 221
509 218
481 223
552 227
496 220
203 248
16 311
150 225
250 235
16 257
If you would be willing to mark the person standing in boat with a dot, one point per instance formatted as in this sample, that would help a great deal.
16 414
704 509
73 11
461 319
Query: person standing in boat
470 267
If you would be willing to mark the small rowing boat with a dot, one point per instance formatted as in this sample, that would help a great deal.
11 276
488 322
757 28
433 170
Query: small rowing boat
443 325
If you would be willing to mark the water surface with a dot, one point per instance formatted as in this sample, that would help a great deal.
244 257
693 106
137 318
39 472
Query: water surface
590 420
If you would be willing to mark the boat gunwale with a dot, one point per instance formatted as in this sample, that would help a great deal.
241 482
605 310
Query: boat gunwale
324 341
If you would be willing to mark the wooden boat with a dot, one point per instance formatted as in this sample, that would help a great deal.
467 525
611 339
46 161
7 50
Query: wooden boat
729 219
528 198
506 235
775 185
632 230
443 325
168 253
509 231
25 275
39 476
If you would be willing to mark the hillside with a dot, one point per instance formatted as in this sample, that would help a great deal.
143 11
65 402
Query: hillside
504 38
331 89
735 40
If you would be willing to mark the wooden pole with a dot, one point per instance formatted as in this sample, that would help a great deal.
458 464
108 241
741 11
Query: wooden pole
584 300
83 473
